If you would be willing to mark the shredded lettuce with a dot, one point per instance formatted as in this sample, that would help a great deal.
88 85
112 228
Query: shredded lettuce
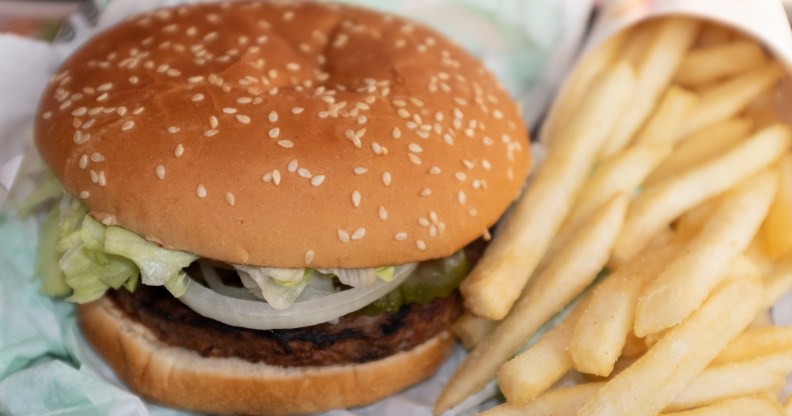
81 257
158 266
265 285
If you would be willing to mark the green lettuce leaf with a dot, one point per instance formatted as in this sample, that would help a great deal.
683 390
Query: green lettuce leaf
267 286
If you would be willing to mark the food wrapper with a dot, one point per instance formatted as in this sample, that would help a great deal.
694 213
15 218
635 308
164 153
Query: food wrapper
46 368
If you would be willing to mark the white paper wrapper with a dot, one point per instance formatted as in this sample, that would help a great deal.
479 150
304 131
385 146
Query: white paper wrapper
506 34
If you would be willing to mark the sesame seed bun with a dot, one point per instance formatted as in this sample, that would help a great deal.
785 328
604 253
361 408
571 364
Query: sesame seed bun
284 134
181 378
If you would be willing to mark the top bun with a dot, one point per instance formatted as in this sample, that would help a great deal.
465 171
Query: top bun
284 134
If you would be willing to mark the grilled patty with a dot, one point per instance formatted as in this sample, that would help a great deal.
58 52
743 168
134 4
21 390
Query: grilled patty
354 339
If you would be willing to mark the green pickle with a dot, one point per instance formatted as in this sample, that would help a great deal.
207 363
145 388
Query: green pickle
432 279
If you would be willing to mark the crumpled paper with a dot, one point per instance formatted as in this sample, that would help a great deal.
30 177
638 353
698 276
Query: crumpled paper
46 367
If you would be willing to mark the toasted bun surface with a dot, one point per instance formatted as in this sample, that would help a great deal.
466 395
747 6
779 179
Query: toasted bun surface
182 378
284 134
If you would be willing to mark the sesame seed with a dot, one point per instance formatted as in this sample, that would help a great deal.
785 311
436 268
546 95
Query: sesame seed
356 199
294 67
403 113
497 114
359 233
79 112
201 191
486 164
229 110
297 110
84 194
317 180
286 144
102 178
398 103
243 119
267 177
272 117
230 198
213 122
276 177
343 235
434 170
244 100
448 139
460 176
273 133
121 111
386 178
400 236
173 129
433 231
414 147
303 172
127 125
461 197
94 176
468 163
97 157
309 256
423 222
292 166
83 161
414 158
210 132
179 150
396 133
426 192
420 244
105 87
195 79
472 212
137 110
359 170
47 115
160 171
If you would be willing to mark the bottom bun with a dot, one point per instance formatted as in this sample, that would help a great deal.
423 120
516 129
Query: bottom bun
181 378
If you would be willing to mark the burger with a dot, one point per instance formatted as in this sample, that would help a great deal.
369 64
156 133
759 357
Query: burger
267 204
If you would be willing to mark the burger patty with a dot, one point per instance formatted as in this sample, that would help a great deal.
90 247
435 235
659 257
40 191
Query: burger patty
355 338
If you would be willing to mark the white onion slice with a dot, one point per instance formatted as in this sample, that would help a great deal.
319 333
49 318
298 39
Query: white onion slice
255 314
216 283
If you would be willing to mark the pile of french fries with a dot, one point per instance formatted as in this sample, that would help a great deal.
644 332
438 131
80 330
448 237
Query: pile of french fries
669 169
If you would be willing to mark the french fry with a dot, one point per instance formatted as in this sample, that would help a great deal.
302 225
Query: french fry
776 232
591 66
637 42
725 100
735 379
712 34
701 146
623 172
742 406
664 53
693 221
535 370
655 379
498 279
601 332
707 65
471 329
754 343
574 268
557 402
778 282
566 401
687 281
668 117
656 207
